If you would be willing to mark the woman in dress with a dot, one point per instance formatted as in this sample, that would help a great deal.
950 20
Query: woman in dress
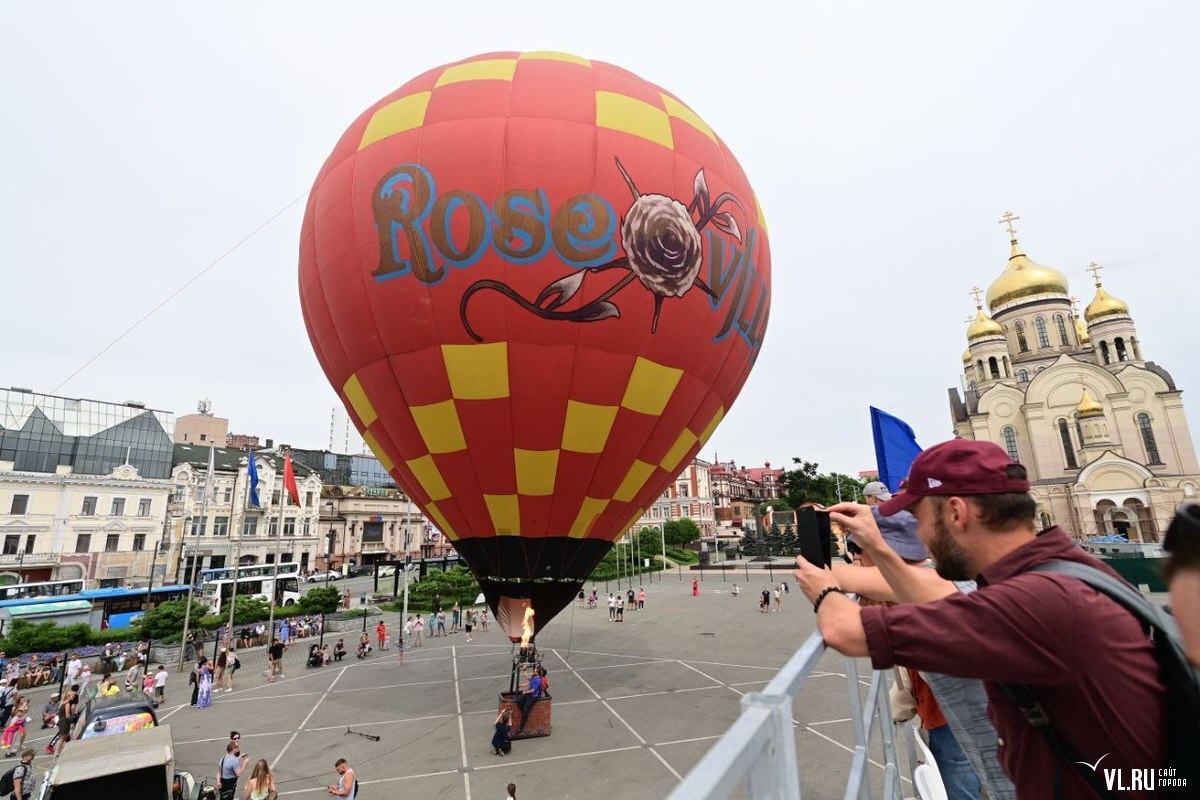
261 782
204 683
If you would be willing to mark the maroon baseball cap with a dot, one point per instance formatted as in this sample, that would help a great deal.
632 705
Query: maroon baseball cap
958 467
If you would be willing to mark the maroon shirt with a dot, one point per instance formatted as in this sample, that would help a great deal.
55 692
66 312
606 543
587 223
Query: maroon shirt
1087 658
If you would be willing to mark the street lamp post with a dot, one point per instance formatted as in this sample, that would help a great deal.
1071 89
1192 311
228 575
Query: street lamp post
331 536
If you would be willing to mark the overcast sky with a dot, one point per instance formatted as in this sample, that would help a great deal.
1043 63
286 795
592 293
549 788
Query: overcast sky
885 140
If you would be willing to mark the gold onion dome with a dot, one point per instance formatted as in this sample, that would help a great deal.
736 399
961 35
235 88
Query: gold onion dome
1089 407
1081 331
1024 277
1105 305
982 327
967 356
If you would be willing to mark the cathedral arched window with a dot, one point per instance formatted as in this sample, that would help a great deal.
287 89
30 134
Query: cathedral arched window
1120 346
1010 443
1078 429
1143 422
1064 433
1039 325
1022 345
1041 370
1104 352
994 367
982 374
1023 375
1061 324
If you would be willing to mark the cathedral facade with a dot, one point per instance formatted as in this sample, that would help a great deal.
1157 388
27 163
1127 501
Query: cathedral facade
1100 428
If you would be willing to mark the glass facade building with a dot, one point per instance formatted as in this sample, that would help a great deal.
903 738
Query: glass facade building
40 433
337 469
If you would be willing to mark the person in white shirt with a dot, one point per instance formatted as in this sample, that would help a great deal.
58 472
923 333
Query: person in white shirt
73 668
160 685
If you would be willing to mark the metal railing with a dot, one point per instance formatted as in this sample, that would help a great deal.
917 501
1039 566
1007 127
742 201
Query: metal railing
759 749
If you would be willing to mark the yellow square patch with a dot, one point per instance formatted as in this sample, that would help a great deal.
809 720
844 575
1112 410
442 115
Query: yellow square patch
439 427
712 425
477 371
554 55
430 477
440 519
588 511
587 426
396 117
536 470
678 450
505 513
681 112
650 387
385 460
762 219
359 401
630 115
635 479
488 69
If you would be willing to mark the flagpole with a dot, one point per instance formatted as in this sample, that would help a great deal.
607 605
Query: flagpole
237 555
275 577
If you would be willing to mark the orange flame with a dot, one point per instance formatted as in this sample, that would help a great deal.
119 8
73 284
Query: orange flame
527 627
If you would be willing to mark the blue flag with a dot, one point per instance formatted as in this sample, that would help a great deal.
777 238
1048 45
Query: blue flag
252 472
895 447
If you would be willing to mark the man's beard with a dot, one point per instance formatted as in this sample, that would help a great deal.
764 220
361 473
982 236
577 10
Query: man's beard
949 556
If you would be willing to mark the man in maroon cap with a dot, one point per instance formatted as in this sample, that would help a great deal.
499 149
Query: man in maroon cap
1090 664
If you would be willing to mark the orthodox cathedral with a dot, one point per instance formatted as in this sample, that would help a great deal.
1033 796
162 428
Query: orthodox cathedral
1100 429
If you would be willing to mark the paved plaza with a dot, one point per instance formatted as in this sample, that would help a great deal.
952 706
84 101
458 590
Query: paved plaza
636 704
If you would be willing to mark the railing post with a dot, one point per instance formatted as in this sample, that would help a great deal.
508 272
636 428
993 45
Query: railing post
856 724
776 776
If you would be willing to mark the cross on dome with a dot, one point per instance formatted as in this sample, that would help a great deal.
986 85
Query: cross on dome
1008 219
1095 268
977 293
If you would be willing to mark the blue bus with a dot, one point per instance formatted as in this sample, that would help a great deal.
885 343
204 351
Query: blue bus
116 607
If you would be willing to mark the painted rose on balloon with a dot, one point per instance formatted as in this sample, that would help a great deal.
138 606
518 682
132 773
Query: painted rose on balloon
662 244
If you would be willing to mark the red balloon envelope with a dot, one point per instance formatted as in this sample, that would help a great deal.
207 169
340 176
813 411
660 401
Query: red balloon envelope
537 282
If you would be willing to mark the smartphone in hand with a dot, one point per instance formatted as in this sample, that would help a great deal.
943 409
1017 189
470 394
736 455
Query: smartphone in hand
815 535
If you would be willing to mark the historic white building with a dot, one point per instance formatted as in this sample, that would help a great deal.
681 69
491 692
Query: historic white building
226 529
1100 428
689 495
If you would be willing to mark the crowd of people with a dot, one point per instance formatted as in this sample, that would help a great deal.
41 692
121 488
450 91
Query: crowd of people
1022 673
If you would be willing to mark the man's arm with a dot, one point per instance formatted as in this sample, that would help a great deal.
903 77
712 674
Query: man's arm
1185 604
908 584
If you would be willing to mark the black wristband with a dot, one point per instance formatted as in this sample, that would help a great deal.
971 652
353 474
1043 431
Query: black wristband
825 593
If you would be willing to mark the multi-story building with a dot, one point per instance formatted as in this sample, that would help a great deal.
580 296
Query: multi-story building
202 427
84 488
1100 428
689 495
738 491
245 441
222 527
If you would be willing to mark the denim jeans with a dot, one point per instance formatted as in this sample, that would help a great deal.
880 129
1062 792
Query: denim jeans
959 778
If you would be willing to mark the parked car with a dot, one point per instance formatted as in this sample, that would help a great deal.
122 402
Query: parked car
140 764
121 713
320 577
364 570
387 570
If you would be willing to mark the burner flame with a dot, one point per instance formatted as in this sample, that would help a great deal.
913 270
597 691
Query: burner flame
527 627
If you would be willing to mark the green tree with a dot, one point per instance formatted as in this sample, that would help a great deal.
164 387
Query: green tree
165 621
679 532
777 503
774 536
247 609
806 484
324 600
649 542
787 542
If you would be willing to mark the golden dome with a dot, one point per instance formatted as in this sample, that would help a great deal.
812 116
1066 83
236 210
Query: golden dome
967 356
1105 305
982 327
1024 277
1088 407
1081 331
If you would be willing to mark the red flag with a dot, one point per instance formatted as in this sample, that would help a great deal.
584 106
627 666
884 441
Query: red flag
289 479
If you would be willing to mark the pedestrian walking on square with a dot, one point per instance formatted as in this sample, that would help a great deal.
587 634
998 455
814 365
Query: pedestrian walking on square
400 647
581 598
419 630
232 664
695 588
160 685
620 609
511 789
778 599
204 683
469 622
233 763
455 618
347 785
275 660
641 599
764 601
381 635
441 623
612 607
483 619
632 599
501 741
261 783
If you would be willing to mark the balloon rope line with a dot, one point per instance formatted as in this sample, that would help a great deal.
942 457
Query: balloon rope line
571 633
178 291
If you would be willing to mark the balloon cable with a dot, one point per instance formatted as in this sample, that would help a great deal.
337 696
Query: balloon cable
178 291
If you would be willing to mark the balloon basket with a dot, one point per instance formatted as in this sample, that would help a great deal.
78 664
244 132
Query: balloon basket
526 660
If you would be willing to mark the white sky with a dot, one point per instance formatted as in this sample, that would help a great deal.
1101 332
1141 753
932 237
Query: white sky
885 139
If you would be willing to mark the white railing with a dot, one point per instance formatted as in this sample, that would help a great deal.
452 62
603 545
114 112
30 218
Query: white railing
759 749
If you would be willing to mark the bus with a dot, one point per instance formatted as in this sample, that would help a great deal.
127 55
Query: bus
258 580
121 607
20 591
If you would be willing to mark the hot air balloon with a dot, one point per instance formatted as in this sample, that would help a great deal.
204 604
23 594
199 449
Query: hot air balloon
537 282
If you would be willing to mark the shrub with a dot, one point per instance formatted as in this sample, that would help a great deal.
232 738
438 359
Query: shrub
165 622
325 600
